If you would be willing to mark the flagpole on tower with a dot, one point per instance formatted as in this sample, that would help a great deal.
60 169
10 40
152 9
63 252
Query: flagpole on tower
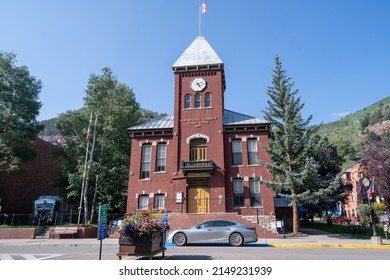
200 20
202 10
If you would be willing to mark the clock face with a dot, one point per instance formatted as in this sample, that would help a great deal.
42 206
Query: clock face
198 84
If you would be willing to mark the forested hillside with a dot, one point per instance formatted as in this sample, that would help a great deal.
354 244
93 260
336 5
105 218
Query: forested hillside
346 133
51 133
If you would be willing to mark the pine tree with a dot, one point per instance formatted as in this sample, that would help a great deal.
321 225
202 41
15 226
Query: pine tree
293 148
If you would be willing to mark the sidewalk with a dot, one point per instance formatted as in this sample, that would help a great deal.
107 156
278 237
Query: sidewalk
310 238
315 239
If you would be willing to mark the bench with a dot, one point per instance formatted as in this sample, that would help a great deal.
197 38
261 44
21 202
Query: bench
63 232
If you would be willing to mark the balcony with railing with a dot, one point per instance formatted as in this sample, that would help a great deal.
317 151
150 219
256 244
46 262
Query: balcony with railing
206 167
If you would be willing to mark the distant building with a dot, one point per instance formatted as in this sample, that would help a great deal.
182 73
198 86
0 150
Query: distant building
36 178
352 182
204 158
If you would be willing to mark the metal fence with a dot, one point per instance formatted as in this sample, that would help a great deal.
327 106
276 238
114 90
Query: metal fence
60 219
183 205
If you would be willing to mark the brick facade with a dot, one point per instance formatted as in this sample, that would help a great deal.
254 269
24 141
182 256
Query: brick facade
18 191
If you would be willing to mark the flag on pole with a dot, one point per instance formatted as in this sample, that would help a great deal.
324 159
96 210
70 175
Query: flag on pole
88 134
371 189
89 129
204 7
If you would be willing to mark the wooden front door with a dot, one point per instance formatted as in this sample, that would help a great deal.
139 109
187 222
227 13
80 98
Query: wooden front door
198 196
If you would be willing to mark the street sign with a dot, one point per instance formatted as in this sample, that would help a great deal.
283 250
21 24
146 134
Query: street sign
102 231
102 213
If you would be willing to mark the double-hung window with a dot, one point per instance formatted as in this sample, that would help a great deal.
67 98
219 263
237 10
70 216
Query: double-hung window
254 189
161 157
143 202
238 192
236 152
252 151
145 161
159 201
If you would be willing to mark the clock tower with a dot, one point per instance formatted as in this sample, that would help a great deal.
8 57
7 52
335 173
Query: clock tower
198 123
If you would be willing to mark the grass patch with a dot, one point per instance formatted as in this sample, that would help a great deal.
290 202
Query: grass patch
342 230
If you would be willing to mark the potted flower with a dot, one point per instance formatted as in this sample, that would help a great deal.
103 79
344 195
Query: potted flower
141 233
379 208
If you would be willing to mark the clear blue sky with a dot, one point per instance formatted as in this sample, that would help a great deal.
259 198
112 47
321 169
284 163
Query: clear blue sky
336 51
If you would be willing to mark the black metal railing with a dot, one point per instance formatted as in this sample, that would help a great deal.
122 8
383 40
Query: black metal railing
197 165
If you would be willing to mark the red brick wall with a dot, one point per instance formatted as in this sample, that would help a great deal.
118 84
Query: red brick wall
18 191
246 171
17 233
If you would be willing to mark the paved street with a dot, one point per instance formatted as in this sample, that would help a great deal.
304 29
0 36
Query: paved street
311 245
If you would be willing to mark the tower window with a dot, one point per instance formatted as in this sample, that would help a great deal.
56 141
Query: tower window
207 101
197 100
187 101
198 149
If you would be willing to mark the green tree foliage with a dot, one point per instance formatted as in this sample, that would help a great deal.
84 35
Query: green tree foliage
303 165
376 160
19 108
113 108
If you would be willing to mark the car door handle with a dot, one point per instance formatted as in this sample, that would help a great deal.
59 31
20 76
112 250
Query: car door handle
210 229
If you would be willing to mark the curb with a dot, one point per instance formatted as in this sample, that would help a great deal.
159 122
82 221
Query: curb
345 246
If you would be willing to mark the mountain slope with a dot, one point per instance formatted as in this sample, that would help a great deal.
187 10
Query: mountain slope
346 133
52 134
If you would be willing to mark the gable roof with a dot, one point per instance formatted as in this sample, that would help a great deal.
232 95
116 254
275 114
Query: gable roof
198 53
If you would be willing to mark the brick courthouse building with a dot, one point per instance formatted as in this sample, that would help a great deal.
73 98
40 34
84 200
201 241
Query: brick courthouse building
203 159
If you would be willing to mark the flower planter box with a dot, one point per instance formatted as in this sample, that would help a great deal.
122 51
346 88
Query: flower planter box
142 224
129 245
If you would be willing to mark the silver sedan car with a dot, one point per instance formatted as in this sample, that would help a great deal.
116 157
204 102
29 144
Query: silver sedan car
215 231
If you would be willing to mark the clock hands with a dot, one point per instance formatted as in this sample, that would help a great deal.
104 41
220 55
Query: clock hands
198 84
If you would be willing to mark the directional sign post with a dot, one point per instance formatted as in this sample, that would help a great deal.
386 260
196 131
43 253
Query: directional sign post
102 213
102 228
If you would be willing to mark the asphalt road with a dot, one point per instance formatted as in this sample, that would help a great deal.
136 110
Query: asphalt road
194 252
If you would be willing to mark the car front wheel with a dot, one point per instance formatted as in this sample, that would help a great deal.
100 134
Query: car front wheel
236 239
180 239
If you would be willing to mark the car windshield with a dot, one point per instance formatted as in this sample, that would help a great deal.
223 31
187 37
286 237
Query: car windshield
44 205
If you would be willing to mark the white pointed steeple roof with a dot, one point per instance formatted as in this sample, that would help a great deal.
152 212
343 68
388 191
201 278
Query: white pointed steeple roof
198 53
